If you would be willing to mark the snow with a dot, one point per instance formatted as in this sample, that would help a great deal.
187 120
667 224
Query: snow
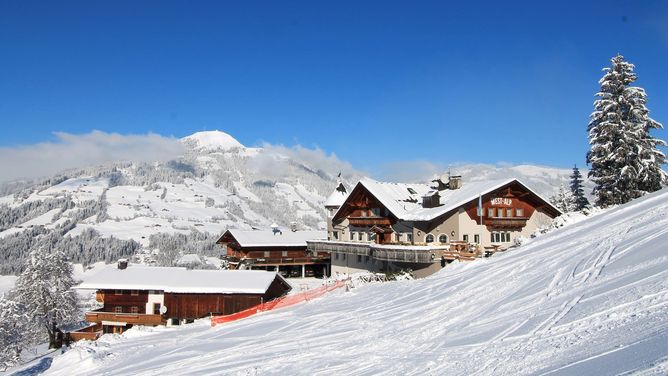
259 238
588 298
6 283
214 140
395 196
180 280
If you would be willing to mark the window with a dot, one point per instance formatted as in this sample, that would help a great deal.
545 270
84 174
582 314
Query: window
509 213
343 256
118 309
465 238
429 238
442 238
118 292
409 237
366 259
496 237
352 235
397 237
134 292
411 191
375 212
490 212
336 256
359 259
476 239
134 309
500 212
267 253
156 308
335 235
284 253
371 236
519 212
360 236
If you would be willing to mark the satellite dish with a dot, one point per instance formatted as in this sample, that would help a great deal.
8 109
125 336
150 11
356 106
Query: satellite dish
163 310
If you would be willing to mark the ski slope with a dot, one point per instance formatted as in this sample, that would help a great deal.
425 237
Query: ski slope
589 298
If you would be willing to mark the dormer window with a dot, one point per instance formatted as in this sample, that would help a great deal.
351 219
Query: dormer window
411 191
429 238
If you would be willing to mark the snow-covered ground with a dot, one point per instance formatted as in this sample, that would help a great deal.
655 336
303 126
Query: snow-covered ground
589 298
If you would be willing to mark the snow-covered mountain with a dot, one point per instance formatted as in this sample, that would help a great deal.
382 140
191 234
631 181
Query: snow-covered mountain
217 184
590 298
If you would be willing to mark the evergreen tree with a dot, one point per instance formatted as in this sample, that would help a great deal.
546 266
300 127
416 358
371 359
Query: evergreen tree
563 200
579 199
625 161
44 289
13 322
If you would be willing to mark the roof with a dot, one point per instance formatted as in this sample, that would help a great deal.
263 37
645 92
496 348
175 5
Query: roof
338 197
405 200
181 280
259 238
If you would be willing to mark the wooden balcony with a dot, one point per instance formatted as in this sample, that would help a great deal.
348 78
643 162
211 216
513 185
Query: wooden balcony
369 221
422 254
128 318
506 223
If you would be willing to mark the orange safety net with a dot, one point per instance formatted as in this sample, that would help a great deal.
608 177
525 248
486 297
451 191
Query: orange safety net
281 302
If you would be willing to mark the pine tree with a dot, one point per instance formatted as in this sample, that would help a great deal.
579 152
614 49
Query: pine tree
44 289
13 321
563 200
577 190
625 161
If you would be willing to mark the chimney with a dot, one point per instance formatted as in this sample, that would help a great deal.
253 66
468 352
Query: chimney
293 226
455 182
122 264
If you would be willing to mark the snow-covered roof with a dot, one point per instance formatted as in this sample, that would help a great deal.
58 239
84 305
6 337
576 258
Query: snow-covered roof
405 200
181 280
214 140
338 197
259 238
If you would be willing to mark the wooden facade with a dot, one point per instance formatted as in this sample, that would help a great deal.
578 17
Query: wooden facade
289 260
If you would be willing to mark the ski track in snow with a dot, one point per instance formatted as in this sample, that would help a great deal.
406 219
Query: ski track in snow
590 298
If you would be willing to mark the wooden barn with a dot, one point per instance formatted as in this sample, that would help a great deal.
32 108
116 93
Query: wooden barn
138 295
281 251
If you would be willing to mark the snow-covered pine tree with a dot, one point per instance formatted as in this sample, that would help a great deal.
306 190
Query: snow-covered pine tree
13 321
563 200
44 290
577 190
625 161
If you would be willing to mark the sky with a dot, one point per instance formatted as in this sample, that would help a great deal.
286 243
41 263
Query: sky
377 83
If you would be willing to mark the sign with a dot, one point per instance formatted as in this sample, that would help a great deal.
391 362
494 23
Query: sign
501 201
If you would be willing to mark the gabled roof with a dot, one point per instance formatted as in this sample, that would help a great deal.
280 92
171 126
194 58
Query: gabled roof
338 197
259 238
181 280
404 200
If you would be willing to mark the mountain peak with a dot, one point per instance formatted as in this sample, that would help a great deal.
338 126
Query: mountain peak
213 140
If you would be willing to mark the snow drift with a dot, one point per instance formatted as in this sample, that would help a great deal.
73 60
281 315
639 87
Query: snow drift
589 298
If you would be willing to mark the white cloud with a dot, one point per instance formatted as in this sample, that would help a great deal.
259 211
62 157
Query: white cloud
316 159
90 149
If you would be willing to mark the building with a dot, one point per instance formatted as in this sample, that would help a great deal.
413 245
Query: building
284 252
139 295
385 227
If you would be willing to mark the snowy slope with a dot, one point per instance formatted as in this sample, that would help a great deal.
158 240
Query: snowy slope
589 298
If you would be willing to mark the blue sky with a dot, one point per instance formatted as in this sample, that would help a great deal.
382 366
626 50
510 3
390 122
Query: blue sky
374 82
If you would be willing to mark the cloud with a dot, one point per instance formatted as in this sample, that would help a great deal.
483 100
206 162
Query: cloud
411 171
90 149
315 159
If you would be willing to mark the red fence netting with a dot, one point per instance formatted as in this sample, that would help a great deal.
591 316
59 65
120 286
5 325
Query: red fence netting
284 301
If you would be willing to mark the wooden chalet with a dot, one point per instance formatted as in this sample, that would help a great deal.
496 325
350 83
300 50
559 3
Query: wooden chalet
138 295
281 251
383 227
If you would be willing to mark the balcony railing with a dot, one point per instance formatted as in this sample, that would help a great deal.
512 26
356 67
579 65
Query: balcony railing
509 222
282 260
369 221
422 254
129 318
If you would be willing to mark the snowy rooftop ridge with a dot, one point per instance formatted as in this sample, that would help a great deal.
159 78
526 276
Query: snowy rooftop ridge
181 280
258 238
404 200
213 140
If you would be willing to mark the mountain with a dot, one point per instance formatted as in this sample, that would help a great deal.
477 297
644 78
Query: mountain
119 209
588 298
